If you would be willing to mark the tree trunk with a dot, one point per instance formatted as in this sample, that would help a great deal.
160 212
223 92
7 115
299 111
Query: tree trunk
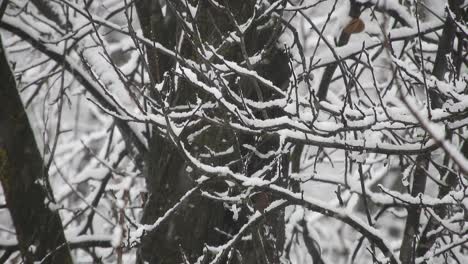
39 229
195 226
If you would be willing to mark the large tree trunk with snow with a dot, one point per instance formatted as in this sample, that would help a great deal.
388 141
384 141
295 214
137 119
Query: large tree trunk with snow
166 173
24 180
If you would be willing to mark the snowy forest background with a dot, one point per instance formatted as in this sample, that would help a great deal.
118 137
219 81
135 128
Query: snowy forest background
234 131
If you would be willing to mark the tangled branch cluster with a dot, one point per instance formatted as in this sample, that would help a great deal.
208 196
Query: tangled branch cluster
238 110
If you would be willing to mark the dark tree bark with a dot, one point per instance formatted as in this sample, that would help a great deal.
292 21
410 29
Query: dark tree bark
24 180
439 71
194 226
411 246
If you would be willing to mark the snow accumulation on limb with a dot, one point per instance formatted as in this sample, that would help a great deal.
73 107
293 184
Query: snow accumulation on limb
437 132
18 27
237 144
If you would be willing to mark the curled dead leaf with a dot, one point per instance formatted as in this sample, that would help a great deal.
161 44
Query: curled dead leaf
356 25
